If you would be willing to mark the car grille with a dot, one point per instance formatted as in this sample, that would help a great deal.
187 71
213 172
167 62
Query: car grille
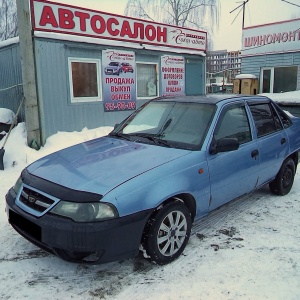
35 202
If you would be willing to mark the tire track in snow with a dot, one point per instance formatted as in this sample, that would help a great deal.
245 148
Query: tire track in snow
113 280
208 226
229 211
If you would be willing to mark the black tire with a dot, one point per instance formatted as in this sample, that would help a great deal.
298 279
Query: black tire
284 180
167 233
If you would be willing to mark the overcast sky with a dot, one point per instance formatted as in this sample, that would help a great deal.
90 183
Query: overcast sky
229 34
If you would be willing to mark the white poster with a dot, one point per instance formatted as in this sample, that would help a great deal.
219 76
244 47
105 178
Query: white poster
118 73
173 75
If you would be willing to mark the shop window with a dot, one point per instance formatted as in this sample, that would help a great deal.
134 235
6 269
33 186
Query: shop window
285 79
279 79
147 80
84 80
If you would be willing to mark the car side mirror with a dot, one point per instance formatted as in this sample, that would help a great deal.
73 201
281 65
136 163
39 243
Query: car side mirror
224 145
116 125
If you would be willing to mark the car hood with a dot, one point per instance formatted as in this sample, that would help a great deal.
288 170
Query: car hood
100 165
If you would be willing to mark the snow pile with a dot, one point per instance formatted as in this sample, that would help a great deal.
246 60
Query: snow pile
284 98
9 42
18 153
245 76
6 116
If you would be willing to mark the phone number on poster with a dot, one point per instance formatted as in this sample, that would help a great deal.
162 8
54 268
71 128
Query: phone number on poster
120 106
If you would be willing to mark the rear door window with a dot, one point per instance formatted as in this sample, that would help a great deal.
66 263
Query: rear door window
265 118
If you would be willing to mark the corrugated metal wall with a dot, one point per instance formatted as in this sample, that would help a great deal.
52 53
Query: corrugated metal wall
297 63
253 64
11 89
57 111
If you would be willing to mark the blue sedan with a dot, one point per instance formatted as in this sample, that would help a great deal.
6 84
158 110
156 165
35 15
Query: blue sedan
141 187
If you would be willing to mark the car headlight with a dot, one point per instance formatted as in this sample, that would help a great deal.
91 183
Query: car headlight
17 185
85 212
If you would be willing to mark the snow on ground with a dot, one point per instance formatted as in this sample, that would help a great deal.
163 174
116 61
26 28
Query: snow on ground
248 249
288 97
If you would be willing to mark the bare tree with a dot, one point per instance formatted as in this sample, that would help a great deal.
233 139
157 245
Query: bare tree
199 14
8 19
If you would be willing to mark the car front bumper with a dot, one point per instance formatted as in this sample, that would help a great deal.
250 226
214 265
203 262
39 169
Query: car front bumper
97 242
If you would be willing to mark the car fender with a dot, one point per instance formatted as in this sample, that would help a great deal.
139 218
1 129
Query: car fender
150 189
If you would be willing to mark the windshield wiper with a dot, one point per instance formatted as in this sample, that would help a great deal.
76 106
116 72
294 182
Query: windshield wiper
163 142
153 139
121 135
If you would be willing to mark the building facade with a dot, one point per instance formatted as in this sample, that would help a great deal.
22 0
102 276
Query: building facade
93 69
223 63
271 52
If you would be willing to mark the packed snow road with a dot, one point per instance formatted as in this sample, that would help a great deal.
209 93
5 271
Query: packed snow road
248 249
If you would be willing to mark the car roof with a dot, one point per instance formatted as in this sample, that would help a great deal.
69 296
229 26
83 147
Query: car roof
213 99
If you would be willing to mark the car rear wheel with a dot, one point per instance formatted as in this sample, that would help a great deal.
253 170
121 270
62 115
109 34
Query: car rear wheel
284 180
167 233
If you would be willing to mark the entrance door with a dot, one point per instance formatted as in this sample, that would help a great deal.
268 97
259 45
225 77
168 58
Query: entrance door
194 79
266 85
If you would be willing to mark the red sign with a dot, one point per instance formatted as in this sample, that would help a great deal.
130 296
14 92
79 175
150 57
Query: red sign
67 19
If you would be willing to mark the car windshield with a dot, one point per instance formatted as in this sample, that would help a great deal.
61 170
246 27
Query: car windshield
113 64
168 123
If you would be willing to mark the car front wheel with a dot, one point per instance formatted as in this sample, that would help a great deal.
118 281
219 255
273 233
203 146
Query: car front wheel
167 233
284 180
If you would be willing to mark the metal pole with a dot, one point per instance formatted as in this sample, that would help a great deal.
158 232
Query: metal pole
28 74
243 15
243 4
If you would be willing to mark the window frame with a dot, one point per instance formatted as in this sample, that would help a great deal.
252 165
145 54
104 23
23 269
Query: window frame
274 116
96 61
284 118
272 77
261 86
221 119
157 80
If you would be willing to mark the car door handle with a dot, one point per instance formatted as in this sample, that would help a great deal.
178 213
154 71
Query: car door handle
254 153
283 141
